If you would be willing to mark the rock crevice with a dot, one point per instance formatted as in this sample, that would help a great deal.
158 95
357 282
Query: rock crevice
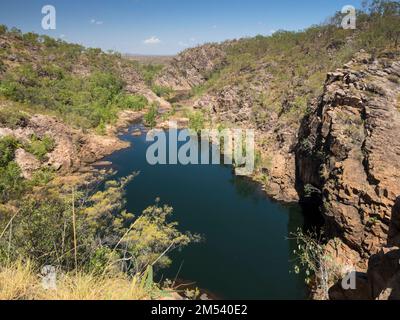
350 150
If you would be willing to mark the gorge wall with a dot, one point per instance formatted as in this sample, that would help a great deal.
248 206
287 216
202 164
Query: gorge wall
349 151
345 153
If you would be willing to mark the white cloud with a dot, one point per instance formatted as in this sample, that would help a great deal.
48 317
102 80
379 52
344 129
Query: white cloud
152 40
94 21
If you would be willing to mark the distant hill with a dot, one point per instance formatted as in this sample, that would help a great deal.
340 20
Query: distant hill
150 59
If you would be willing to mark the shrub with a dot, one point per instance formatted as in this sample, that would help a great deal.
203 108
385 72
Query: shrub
8 145
31 38
135 102
149 72
162 92
312 257
12 118
3 29
11 182
151 116
42 177
43 231
86 102
151 235
196 121
40 147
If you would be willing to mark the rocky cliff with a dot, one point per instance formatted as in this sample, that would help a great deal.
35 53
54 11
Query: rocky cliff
192 67
343 152
349 154
238 100
73 148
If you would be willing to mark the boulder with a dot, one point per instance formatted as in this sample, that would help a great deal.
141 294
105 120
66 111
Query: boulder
27 162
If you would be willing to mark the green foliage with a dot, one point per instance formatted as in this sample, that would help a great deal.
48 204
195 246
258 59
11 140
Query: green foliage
148 279
40 147
3 29
151 236
40 230
8 145
306 146
151 116
163 92
85 102
12 118
196 121
309 190
381 24
312 258
11 182
43 231
150 71
42 177
31 38
100 259
288 69
135 102
82 86
104 212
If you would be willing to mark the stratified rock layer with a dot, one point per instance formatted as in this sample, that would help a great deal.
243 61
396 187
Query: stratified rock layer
191 67
349 149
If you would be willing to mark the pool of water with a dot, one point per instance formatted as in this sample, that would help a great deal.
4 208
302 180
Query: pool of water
245 253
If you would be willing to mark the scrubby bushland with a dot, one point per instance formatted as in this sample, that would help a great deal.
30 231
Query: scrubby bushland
81 230
85 87
284 72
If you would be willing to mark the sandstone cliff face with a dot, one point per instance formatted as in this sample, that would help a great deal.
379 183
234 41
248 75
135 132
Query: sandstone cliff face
235 105
346 153
349 149
191 67
275 138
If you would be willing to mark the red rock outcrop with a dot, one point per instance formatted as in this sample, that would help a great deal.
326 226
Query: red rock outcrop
350 150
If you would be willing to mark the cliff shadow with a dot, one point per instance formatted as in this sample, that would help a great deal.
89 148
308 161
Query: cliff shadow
307 173
394 227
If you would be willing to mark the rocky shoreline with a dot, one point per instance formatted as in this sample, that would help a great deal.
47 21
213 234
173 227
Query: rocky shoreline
344 156
74 149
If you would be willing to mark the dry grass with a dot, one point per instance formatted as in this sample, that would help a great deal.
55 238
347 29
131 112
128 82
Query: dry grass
17 282
87 287
20 282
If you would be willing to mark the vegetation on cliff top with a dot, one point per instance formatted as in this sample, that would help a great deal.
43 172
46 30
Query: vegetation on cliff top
86 232
77 227
284 72
85 87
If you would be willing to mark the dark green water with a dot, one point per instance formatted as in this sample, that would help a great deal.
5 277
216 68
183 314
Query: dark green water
245 254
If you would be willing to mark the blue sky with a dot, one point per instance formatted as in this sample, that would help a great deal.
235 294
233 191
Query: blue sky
166 26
